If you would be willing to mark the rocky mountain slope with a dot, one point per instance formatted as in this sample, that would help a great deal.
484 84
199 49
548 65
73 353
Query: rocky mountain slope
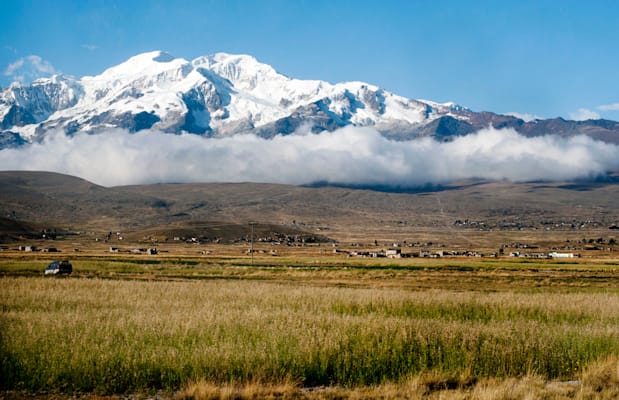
226 94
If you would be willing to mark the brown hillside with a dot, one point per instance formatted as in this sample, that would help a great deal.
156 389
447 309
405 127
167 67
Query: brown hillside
55 200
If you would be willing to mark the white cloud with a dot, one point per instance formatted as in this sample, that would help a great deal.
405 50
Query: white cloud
354 156
91 47
524 116
584 114
609 107
14 66
29 68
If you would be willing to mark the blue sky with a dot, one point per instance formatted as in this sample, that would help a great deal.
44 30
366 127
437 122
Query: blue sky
542 58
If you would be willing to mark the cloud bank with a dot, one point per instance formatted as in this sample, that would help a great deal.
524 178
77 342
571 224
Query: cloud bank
350 156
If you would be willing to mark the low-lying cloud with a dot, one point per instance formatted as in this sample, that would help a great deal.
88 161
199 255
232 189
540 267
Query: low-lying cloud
524 116
349 156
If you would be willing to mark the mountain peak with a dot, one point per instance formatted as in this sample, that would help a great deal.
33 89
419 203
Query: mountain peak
162 56
150 63
227 58
234 58
157 56
241 69
225 94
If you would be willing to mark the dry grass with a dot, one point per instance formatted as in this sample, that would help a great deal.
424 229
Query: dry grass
318 269
203 390
599 382
110 336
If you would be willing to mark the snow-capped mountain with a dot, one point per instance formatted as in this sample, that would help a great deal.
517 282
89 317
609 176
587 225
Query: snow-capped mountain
226 94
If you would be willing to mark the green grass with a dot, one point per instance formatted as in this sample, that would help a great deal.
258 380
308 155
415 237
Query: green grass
116 336
141 263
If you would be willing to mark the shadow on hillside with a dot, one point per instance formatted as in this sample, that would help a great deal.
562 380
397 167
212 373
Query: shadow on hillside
426 188
580 185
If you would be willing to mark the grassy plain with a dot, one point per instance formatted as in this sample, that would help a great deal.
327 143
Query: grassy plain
207 320
310 325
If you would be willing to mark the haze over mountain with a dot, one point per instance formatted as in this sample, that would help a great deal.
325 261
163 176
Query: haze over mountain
263 121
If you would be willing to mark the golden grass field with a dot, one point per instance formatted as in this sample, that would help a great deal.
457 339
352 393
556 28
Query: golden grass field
307 324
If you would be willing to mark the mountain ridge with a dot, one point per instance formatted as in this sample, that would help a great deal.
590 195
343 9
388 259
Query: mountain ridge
225 94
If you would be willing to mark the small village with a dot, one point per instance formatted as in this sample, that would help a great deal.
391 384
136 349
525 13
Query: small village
269 244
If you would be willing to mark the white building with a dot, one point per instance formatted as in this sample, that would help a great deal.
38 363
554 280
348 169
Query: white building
554 254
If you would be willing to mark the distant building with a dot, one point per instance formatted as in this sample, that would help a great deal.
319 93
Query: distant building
554 254
393 253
